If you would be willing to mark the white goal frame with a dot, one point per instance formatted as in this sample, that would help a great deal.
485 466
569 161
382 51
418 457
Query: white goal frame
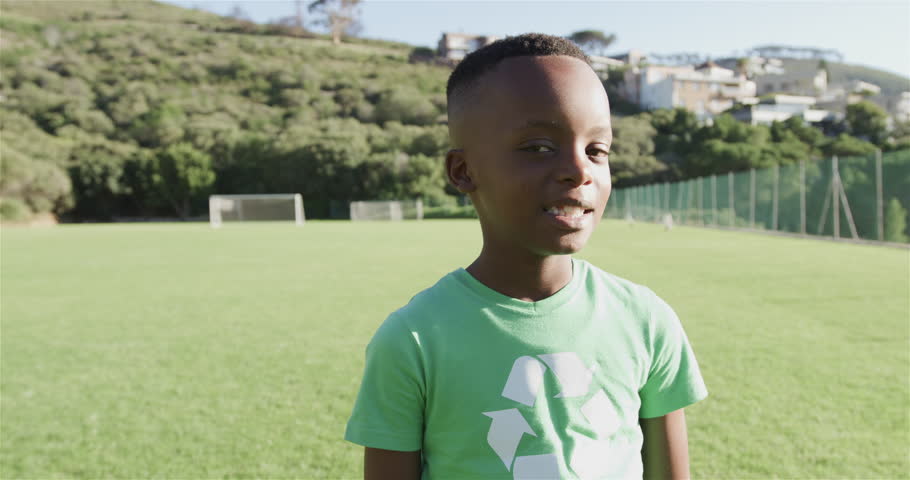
393 208
215 205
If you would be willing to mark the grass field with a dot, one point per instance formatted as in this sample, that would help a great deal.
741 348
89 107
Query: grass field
177 351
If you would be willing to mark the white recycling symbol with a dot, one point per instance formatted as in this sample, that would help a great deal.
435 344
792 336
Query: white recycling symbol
509 426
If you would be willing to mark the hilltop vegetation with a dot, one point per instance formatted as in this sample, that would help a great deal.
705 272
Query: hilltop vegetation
132 108
96 92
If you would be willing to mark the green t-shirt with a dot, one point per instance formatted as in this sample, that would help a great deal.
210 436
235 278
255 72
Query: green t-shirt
488 386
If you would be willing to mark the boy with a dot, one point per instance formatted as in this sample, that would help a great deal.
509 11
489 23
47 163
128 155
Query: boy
528 364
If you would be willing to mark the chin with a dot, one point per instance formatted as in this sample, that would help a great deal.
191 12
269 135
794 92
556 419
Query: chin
568 244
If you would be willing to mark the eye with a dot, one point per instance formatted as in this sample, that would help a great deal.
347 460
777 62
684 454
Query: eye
538 148
598 152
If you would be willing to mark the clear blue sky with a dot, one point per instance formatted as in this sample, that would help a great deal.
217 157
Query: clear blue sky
873 33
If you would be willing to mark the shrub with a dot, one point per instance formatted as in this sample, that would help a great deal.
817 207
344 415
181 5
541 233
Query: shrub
184 176
895 222
405 105
14 210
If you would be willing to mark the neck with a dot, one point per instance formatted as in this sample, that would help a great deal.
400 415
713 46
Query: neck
529 277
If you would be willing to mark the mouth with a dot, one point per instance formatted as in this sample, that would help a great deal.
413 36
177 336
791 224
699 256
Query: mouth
569 211
573 217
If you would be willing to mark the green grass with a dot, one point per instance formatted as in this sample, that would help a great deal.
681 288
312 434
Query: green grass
176 351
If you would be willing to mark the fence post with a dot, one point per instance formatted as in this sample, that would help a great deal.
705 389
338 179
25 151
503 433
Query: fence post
654 199
714 200
878 196
645 203
775 199
835 196
626 201
752 198
699 188
649 201
656 202
802 197
730 196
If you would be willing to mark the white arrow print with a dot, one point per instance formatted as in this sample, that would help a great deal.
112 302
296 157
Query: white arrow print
573 375
506 430
524 381
601 415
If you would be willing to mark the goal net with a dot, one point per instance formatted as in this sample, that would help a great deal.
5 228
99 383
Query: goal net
387 210
251 208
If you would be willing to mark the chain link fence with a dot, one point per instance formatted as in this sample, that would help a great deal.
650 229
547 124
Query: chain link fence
861 198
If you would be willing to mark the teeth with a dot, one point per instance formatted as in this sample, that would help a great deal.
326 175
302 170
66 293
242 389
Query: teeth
572 212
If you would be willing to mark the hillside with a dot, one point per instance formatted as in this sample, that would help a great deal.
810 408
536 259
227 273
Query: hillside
892 84
123 109
92 92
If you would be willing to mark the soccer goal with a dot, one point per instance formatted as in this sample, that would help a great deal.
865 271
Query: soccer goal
387 210
252 208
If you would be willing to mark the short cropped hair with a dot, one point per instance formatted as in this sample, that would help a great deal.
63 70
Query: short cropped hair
481 61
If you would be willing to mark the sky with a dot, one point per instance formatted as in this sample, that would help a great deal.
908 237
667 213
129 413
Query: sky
875 33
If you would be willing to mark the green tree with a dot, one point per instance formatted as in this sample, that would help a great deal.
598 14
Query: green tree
632 159
674 130
13 209
846 146
868 121
405 105
730 145
160 126
38 185
183 176
97 174
595 42
895 222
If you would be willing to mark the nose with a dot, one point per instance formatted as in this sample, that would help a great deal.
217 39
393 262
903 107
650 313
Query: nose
575 168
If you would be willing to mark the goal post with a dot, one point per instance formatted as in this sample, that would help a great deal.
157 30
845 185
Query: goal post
273 207
387 210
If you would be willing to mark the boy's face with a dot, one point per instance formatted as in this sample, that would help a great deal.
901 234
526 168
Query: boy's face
535 139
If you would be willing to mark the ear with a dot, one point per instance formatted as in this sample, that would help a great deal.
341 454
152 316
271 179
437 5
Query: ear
457 170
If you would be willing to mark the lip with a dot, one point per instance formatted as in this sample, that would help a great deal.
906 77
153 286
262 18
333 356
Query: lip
572 202
564 222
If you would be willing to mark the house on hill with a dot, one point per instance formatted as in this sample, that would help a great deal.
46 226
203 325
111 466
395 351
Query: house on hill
706 90
632 57
793 81
902 108
602 65
455 46
781 107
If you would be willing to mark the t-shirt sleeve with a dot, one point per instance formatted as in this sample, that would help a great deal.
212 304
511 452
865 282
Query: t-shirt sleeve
674 380
389 410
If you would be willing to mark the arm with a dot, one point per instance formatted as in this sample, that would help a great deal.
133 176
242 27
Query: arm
381 464
665 451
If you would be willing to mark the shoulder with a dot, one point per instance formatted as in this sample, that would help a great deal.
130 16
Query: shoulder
617 289
421 310
651 311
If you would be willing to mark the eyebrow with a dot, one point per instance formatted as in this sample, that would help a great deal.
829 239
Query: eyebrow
603 131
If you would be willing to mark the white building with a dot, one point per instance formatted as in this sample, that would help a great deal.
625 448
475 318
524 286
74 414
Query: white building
705 90
602 65
754 66
864 88
781 107
805 82
455 46
902 108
